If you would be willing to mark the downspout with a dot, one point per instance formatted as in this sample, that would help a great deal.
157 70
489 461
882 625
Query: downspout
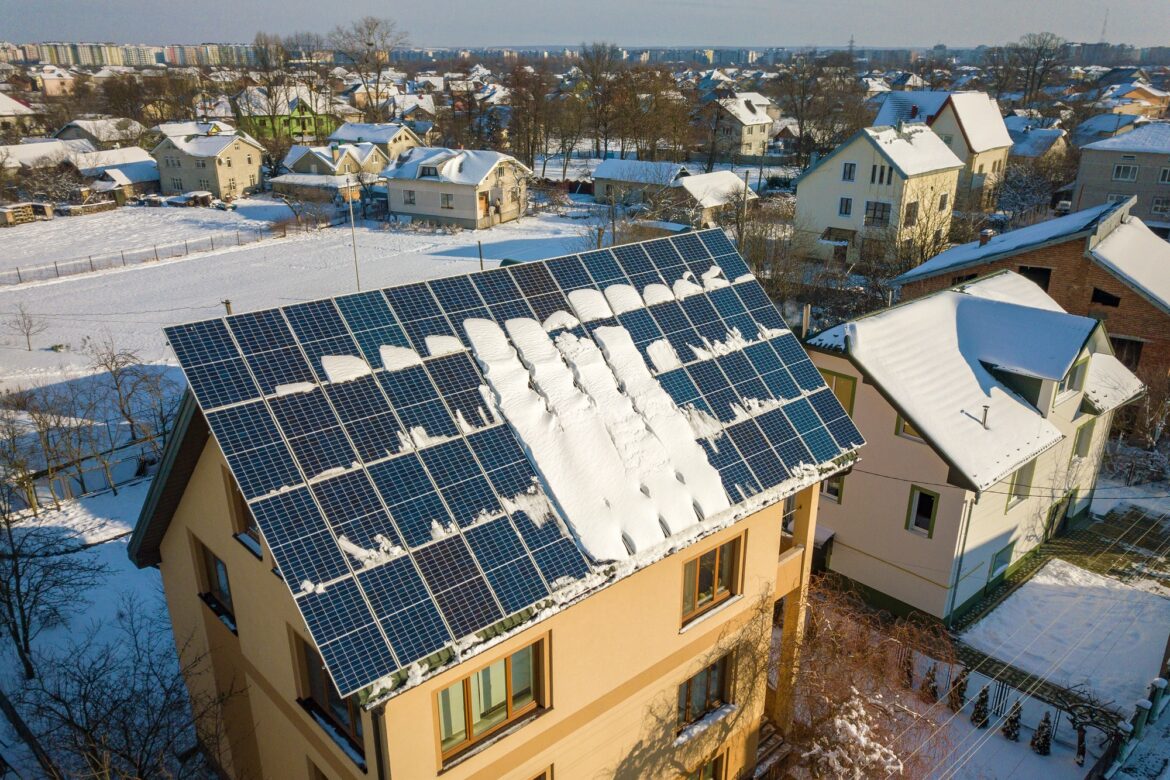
959 566
376 723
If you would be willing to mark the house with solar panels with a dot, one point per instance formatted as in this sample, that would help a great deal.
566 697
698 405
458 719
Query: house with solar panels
532 520
986 408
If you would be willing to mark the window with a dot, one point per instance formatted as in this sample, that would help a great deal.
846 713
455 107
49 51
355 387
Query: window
1128 351
1084 440
788 514
944 201
201 163
963 278
1040 276
229 161
243 523
248 159
911 218
1125 172
1021 486
703 693
877 214
833 488
1160 206
1105 299
204 184
1074 380
842 386
447 201
176 183
849 172
712 770
1001 560
1164 176
480 704
218 590
845 207
1116 197
324 702
251 180
428 170
710 579
946 139
904 429
922 510
408 197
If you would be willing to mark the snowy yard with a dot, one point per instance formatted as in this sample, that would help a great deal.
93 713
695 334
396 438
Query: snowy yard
1074 626
127 228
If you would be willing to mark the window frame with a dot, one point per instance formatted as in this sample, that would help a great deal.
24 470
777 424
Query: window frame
993 570
1160 205
217 599
826 488
684 717
244 527
911 514
845 207
1084 430
910 216
1131 166
849 171
447 201
354 731
717 765
717 598
409 198
900 426
944 200
1013 498
539 700
1164 176
875 218
1074 380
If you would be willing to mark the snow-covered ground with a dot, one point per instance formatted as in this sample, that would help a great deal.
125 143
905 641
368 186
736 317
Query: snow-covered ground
133 304
1073 627
581 168
127 229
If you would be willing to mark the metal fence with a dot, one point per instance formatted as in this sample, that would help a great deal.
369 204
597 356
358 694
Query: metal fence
118 258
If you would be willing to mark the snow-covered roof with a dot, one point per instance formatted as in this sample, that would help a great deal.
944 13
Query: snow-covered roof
639 171
132 162
374 132
1136 255
1148 138
1109 384
1035 141
977 113
108 130
1010 243
321 180
909 107
717 188
745 111
42 152
214 127
456 166
360 153
933 357
207 139
913 149
12 107
256 101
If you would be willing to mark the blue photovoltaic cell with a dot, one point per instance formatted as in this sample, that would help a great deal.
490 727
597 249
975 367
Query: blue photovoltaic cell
347 438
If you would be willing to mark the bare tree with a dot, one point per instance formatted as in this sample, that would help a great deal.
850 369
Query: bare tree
26 325
366 45
599 65
1039 55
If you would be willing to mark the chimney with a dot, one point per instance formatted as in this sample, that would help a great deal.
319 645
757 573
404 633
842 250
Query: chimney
985 408
914 111
336 152
985 235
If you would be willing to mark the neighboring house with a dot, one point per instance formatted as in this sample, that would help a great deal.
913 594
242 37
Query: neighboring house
702 198
1100 262
291 111
52 81
1136 163
42 152
131 170
470 188
396 574
392 139
211 158
103 133
970 124
735 127
1134 99
985 408
1102 126
14 115
882 187
329 173
1039 144
633 181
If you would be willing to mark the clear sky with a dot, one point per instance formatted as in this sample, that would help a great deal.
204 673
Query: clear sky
756 23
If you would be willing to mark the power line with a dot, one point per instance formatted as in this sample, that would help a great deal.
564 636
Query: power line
1032 492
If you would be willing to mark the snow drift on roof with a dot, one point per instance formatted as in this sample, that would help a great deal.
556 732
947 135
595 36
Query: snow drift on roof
1149 138
1109 384
714 189
640 171
1141 259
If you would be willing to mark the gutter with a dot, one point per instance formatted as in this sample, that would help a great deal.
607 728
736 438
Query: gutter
376 722
959 564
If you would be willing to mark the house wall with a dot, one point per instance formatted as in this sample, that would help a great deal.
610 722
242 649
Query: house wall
940 574
466 212
1073 279
981 170
1095 183
615 662
238 163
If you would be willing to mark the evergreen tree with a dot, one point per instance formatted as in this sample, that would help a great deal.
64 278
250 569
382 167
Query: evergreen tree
1042 737
929 686
980 715
957 695
1011 726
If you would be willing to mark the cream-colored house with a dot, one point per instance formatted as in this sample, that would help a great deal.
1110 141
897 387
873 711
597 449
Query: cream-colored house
209 157
878 190
328 173
465 187
985 409
1136 163
970 124
634 181
392 139
735 127
425 608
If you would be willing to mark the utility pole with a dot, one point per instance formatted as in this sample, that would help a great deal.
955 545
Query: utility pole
480 243
353 239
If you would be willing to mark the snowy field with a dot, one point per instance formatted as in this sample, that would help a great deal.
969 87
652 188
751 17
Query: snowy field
133 304
1074 626
127 228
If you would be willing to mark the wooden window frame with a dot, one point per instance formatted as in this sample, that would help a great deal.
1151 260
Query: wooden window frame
839 480
540 665
208 579
994 572
716 598
944 200
719 773
900 426
1012 498
447 201
685 717
910 215
915 491
872 209
354 732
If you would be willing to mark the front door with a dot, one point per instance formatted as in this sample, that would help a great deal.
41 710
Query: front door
483 205
1058 517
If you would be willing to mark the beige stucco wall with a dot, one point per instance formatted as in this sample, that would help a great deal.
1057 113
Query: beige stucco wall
616 660
873 545
981 170
1095 182
239 162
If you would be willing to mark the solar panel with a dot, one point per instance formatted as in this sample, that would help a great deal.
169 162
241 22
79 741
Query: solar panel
394 499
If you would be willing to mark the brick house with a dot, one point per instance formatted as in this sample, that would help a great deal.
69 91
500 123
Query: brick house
1101 262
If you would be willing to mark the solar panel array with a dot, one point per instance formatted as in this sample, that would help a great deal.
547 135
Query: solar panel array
389 499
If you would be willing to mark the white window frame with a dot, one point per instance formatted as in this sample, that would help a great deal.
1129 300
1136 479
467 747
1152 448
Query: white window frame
1164 176
1160 206
1130 168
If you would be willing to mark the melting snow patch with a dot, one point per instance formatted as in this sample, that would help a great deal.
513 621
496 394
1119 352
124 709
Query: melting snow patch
560 320
589 305
438 531
397 358
443 345
386 552
623 298
307 586
713 278
663 356
294 387
684 288
702 423
743 278
344 368
704 723
657 293
532 502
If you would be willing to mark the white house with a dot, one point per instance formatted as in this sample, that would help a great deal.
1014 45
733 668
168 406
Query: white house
986 408
470 188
